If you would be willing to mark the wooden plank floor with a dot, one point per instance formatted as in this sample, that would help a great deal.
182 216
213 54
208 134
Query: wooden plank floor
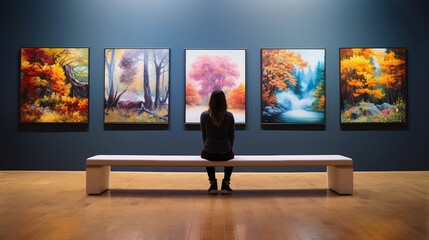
53 205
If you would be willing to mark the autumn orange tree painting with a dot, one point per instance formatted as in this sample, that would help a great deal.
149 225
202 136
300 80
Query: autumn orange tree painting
209 70
54 85
373 85
293 85
136 85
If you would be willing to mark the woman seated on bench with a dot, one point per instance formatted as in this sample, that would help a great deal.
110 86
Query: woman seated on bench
217 126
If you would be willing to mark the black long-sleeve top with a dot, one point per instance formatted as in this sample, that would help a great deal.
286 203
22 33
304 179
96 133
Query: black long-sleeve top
217 139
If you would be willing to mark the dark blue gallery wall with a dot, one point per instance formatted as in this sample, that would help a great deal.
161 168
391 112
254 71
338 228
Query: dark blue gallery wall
249 24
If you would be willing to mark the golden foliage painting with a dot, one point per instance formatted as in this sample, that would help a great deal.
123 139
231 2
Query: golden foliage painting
54 85
373 85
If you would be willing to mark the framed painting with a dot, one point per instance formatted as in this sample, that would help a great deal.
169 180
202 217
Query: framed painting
217 69
292 86
54 85
373 85
136 85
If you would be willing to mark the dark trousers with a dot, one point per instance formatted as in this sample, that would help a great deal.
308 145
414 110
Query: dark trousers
218 157
212 177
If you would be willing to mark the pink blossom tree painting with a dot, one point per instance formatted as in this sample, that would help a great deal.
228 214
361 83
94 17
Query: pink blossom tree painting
209 70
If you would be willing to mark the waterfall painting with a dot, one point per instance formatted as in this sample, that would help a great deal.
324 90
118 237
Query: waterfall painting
293 86
373 85
137 86
209 70
54 85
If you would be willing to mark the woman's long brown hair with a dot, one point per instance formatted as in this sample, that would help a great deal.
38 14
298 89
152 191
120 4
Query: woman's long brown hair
217 107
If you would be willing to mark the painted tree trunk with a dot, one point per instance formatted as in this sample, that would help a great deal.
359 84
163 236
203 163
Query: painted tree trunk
111 68
165 90
148 103
111 90
78 89
158 77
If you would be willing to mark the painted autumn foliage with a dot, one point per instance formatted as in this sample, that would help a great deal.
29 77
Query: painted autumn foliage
373 85
192 96
237 97
209 70
54 85
277 73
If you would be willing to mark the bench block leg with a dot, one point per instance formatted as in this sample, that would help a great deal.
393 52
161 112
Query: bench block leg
97 179
340 179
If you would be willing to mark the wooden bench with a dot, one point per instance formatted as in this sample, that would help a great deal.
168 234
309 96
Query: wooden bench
339 168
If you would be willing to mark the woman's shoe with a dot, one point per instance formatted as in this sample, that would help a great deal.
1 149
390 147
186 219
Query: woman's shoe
225 187
213 187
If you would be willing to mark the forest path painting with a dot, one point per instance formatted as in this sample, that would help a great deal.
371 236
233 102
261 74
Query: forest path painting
293 86
137 86
373 85
54 85
209 70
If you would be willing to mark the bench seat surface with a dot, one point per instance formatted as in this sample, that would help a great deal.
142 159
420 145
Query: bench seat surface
239 160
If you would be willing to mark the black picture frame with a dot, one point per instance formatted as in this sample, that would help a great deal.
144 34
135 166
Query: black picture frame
239 124
320 125
357 125
138 125
36 126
